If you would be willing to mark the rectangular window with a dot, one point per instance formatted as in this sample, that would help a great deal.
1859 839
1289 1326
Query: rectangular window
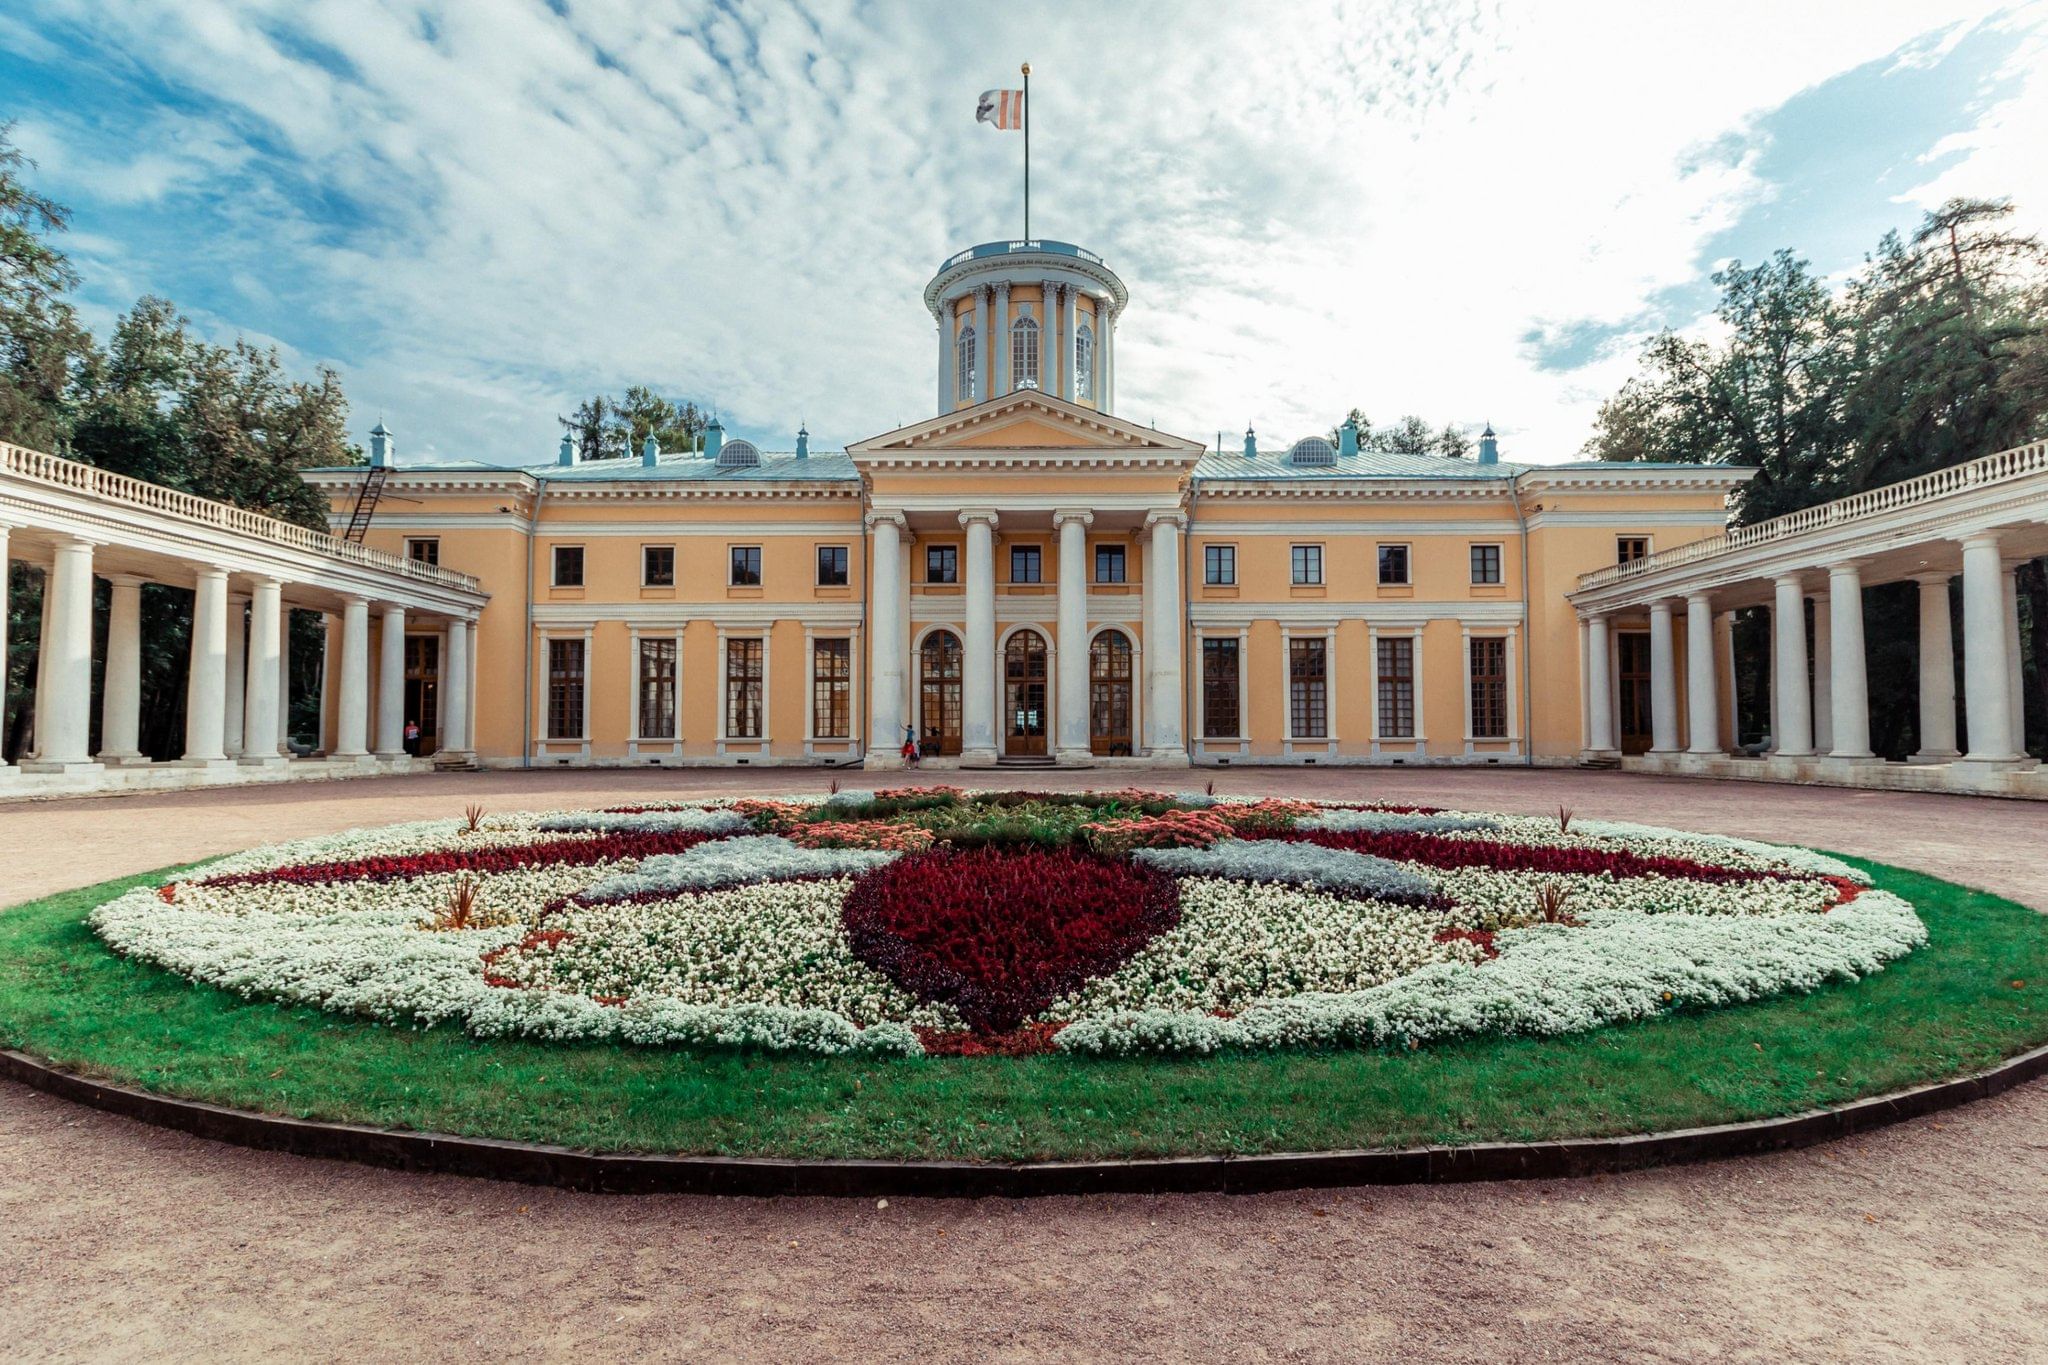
568 566
1393 566
1110 564
1489 687
1308 565
831 566
565 689
1628 549
657 689
1308 696
942 564
832 689
1219 690
1219 565
1485 564
657 566
746 566
425 550
1397 689
1027 564
745 662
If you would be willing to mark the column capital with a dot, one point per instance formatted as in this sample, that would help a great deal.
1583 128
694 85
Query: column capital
1795 580
64 540
1062 515
209 573
1002 289
877 516
125 580
1846 568
352 599
1173 515
970 515
1979 540
1594 618
1932 576
1699 601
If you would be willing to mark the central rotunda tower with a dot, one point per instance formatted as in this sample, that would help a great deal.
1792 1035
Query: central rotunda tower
1026 315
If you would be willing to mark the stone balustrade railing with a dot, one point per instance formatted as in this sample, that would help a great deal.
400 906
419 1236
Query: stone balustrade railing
56 472
2005 466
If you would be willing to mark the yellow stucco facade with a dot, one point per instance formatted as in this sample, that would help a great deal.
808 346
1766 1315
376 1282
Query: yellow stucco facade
1027 577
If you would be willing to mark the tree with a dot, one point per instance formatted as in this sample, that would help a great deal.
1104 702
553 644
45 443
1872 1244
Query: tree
40 336
607 428
1409 436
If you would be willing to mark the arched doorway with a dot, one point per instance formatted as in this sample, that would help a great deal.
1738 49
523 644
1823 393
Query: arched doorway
1109 694
938 693
1024 694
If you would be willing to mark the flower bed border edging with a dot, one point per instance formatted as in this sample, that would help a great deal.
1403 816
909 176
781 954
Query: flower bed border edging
648 1173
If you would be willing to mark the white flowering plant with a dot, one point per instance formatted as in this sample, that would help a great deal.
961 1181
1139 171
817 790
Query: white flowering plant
927 920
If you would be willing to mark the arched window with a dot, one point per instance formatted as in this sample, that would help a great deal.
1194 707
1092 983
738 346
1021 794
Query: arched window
736 453
939 682
967 366
1311 450
1109 694
1024 353
1084 361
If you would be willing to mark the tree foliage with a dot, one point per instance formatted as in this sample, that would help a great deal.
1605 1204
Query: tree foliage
607 428
1411 435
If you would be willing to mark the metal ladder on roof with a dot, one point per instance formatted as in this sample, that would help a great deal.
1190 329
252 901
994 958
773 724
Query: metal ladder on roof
366 503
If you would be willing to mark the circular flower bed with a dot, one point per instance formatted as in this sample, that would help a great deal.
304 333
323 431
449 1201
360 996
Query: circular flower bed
931 920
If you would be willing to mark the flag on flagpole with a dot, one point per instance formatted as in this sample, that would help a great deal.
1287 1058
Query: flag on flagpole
1003 108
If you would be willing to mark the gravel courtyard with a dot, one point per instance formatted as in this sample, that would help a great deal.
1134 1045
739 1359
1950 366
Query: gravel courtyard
1923 1240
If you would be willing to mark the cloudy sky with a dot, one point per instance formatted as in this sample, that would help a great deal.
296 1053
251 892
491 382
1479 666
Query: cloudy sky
479 212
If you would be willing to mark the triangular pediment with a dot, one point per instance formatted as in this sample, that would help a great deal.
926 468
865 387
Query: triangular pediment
1025 423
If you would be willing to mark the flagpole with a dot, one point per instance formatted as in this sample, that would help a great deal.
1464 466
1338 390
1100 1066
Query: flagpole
1027 151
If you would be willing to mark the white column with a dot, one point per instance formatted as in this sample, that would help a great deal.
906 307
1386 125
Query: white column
1073 634
1050 378
1163 629
1105 342
1937 672
1000 339
1067 314
1599 688
121 694
1724 670
329 676
206 688
978 676
284 680
2015 671
6 769
1703 708
39 701
945 356
391 683
1823 674
1663 680
885 640
259 744
238 676
352 713
1850 691
64 672
982 373
1788 669
455 690
1987 673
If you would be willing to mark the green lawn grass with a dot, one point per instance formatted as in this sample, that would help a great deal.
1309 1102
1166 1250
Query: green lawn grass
1973 996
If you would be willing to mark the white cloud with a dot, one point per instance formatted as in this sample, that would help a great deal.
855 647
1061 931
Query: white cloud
1315 206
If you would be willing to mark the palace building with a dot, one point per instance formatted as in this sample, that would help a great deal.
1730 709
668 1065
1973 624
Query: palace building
1025 577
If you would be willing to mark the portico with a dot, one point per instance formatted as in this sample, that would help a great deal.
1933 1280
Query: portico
247 576
1976 522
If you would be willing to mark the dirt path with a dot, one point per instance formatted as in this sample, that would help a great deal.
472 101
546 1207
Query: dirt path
1922 1242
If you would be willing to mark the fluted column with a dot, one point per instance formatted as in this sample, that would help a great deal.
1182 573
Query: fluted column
1788 669
1000 339
352 707
1068 382
945 356
1073 634
1663 680
1049 380
1987 672
206 687
886 643
64 672
259 734
235 717
1702 676
121 691
977 673
1937 672
983 375
1163 636
1599 688
455 691
391 683
1105 341
1848 670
